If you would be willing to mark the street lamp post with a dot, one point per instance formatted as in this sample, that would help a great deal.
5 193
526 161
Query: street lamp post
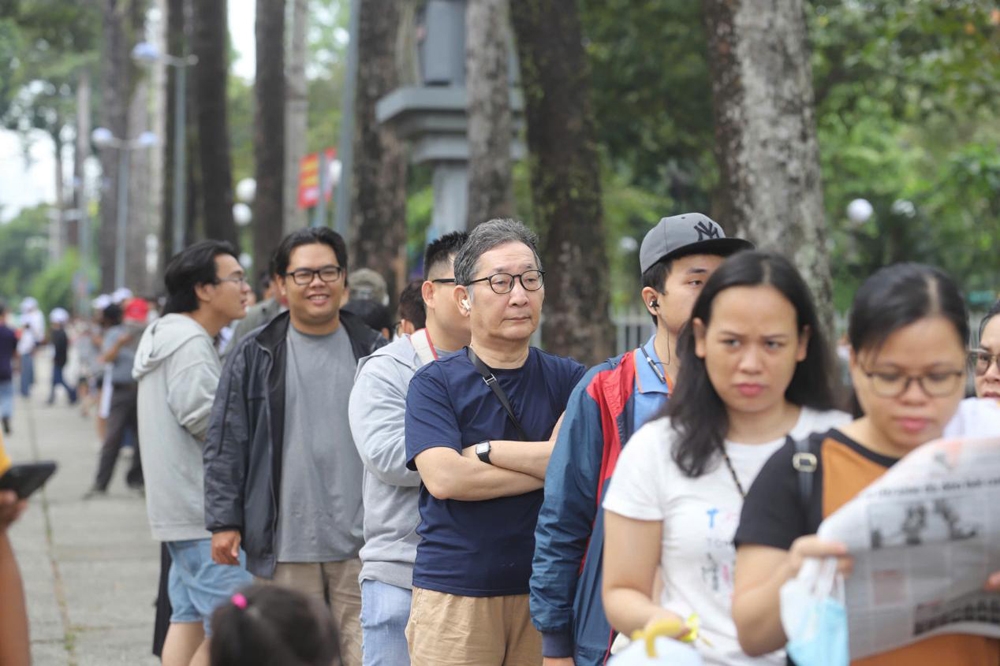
147 54
103 138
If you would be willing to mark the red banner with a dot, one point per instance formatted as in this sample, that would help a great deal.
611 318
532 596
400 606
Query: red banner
309 178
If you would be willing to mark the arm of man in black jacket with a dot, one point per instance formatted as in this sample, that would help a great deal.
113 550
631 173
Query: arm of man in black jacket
225 454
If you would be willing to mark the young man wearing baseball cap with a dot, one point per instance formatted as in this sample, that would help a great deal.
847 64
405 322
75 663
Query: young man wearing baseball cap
612 401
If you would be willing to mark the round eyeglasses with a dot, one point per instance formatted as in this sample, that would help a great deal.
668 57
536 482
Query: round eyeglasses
980 361
933 384
304 276
503 283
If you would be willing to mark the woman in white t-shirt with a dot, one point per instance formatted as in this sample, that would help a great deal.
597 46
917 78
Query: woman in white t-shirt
755 368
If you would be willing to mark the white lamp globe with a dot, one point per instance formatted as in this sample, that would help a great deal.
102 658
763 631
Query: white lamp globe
859 210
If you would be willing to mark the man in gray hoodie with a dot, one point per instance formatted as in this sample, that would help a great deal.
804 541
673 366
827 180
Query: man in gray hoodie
178 369
377 414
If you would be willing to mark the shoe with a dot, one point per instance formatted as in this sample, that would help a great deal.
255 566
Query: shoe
95 492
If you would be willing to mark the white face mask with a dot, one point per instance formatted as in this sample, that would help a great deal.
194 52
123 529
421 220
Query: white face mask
814 617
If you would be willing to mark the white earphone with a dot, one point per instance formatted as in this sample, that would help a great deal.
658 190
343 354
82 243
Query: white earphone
466 304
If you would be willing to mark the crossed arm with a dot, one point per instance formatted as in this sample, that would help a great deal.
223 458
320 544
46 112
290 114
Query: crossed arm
516 468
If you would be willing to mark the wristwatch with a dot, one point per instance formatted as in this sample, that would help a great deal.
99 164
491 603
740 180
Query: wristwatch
483 451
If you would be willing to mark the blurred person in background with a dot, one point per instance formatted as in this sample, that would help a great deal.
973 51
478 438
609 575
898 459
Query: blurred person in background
60 347
8 352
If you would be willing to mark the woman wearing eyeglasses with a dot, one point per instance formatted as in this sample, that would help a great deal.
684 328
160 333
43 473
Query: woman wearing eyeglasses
985 358
908 332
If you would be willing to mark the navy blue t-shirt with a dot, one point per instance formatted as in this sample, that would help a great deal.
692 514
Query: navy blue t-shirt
8 345
481 549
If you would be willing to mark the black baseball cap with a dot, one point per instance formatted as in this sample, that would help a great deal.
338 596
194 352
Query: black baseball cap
689 233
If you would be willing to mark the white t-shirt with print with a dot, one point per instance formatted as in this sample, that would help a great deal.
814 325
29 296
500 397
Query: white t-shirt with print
699 517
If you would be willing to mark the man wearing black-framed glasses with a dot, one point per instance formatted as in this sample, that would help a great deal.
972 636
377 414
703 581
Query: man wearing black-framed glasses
479 429
282 474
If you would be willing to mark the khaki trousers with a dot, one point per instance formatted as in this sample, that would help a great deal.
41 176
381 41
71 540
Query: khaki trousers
336 585
448 630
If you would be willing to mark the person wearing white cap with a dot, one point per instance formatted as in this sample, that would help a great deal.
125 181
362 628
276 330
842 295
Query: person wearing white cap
60 344
32 334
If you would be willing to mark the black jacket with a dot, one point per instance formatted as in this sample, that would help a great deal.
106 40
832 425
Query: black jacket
243 447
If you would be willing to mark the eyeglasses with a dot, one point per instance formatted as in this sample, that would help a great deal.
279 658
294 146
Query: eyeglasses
443 281
304 276
980 361
236 279
933 384
503 283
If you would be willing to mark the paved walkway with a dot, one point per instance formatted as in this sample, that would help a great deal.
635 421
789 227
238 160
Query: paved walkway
90 567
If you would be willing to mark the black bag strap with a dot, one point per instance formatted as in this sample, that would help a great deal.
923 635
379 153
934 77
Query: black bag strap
494 385
805 463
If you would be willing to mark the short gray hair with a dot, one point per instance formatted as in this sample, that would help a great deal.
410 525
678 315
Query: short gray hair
487 236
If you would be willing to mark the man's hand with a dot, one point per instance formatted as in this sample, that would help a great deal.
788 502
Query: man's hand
11 508
558 661
226 547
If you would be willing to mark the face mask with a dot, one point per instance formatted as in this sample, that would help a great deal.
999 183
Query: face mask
814 617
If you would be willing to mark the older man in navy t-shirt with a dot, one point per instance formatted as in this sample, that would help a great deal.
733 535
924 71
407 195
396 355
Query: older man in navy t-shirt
483 465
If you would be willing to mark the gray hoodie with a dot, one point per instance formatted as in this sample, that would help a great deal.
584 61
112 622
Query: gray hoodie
377 411
178 371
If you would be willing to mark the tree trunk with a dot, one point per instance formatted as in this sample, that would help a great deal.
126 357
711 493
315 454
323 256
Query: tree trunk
210 44
58 238
269 135
770 188
378 207
176 44
81 150
486 36
139 199
565 178
114 106
297 113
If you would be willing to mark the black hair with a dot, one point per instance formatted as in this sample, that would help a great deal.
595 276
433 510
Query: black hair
993 312
374 314
190 268
897 296
696 411
263 283
411 304
443 249
269 625
112 315
309 236
656 276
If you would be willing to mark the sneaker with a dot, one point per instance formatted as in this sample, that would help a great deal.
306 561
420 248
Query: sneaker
95 492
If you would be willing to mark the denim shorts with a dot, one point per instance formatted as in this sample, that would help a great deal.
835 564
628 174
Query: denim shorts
197 585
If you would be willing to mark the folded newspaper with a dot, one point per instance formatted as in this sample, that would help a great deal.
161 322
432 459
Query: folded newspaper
924 537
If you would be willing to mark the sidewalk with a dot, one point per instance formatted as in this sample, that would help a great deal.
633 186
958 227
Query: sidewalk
90 568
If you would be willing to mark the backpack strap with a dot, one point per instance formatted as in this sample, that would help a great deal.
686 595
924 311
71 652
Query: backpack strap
494 385
805 463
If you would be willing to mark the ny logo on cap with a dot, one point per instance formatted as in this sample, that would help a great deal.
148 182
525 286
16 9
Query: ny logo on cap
706 230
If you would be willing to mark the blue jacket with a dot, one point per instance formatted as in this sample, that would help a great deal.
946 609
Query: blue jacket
566 603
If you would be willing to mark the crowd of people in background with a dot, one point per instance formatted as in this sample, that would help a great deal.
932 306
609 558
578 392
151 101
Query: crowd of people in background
332 484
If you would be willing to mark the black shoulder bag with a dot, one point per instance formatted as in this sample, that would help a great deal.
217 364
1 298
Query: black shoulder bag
494 385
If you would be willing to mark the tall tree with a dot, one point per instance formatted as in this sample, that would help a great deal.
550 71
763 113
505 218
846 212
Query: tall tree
115 77
211 40
770 190
269 130
378 206
296 111
488 105
565 179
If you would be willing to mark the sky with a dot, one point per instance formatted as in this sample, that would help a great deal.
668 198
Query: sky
25 185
